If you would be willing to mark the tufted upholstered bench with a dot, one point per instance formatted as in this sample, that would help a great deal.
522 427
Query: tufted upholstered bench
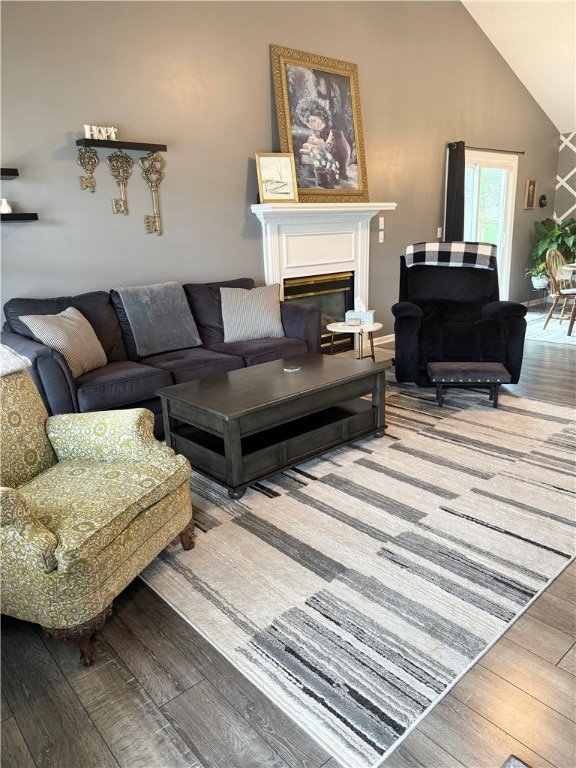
454 374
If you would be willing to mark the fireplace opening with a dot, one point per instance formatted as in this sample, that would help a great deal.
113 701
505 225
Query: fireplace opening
334 294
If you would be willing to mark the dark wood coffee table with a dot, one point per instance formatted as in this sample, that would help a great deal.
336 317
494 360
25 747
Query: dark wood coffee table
243 426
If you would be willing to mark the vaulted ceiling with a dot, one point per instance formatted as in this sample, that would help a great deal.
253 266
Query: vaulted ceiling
537 38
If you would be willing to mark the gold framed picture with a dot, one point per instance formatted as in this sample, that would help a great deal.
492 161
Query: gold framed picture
320 124
276 177
530 189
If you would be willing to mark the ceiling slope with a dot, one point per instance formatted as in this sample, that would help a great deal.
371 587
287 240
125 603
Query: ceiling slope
538 41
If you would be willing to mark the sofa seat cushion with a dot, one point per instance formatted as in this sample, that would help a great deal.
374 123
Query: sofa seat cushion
263 350
188 364
119 384
483 341
206 305
87 504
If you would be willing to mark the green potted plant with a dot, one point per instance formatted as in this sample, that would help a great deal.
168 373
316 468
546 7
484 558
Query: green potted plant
551 234
539 275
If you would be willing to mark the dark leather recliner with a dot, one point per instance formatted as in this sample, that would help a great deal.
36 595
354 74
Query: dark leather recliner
453 313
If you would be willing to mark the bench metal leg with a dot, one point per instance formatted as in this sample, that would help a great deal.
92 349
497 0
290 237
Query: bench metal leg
439 390
494 395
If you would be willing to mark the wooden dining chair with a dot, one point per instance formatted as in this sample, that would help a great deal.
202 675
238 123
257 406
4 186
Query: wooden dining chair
561 289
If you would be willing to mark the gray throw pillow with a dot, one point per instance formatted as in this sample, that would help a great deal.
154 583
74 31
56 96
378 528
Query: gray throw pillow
155 319
251 314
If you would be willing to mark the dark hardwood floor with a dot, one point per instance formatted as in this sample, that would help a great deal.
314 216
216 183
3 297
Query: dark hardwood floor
159 696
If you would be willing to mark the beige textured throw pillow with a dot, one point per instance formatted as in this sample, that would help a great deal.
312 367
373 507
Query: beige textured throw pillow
70 334
251 314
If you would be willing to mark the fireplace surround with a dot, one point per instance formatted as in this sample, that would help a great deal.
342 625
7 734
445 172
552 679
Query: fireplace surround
304 239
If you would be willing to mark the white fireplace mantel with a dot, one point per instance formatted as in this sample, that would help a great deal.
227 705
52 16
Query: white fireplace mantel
302 239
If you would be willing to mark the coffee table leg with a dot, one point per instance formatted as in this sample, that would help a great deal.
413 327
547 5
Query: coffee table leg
166 420
378 402
360 345
233 456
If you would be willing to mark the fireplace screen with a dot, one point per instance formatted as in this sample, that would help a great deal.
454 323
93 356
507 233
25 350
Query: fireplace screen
334 294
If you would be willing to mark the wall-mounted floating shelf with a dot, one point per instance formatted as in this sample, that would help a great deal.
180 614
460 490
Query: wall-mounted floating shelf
138 145
19 217
8 174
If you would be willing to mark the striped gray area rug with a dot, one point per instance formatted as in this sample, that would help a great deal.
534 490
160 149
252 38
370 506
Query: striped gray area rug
356 588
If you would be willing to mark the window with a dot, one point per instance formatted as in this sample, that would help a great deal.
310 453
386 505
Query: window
489 193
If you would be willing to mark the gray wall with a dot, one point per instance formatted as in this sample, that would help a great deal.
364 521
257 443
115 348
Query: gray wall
196 76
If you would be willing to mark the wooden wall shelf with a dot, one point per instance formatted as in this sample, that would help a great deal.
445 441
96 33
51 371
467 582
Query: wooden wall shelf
12 173
19 217
138 145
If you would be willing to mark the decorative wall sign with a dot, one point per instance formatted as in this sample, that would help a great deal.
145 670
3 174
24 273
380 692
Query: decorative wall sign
88 160
320 123
100 132
120 165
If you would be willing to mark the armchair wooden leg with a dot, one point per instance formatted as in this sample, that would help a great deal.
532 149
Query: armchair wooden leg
81 634
188 536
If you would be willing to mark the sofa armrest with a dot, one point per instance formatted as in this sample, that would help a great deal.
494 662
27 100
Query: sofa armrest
302 321
49 371
407 309
110 436
22 533
502 309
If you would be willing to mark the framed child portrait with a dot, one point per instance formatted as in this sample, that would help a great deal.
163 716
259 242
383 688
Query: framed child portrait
320 124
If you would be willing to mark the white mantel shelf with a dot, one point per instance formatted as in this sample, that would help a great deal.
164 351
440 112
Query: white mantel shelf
291 211
302 239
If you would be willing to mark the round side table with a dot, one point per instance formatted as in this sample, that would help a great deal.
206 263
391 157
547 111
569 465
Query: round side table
358 330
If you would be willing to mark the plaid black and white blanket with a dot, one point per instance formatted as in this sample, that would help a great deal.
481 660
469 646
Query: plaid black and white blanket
459 254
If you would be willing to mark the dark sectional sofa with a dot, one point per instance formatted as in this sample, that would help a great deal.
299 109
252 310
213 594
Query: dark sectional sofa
129 381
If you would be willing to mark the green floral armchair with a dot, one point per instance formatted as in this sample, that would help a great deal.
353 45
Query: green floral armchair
87 502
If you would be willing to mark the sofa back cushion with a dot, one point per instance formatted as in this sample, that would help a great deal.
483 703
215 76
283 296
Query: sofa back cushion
441 283
95 306
155 319
206 305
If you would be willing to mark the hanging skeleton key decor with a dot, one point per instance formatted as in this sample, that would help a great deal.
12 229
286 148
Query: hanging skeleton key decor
88 160
120 167
153 172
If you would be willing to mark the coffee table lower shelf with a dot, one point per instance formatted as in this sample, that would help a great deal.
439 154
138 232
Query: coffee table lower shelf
271 450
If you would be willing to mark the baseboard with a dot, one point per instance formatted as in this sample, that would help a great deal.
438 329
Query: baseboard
535 303
379 340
